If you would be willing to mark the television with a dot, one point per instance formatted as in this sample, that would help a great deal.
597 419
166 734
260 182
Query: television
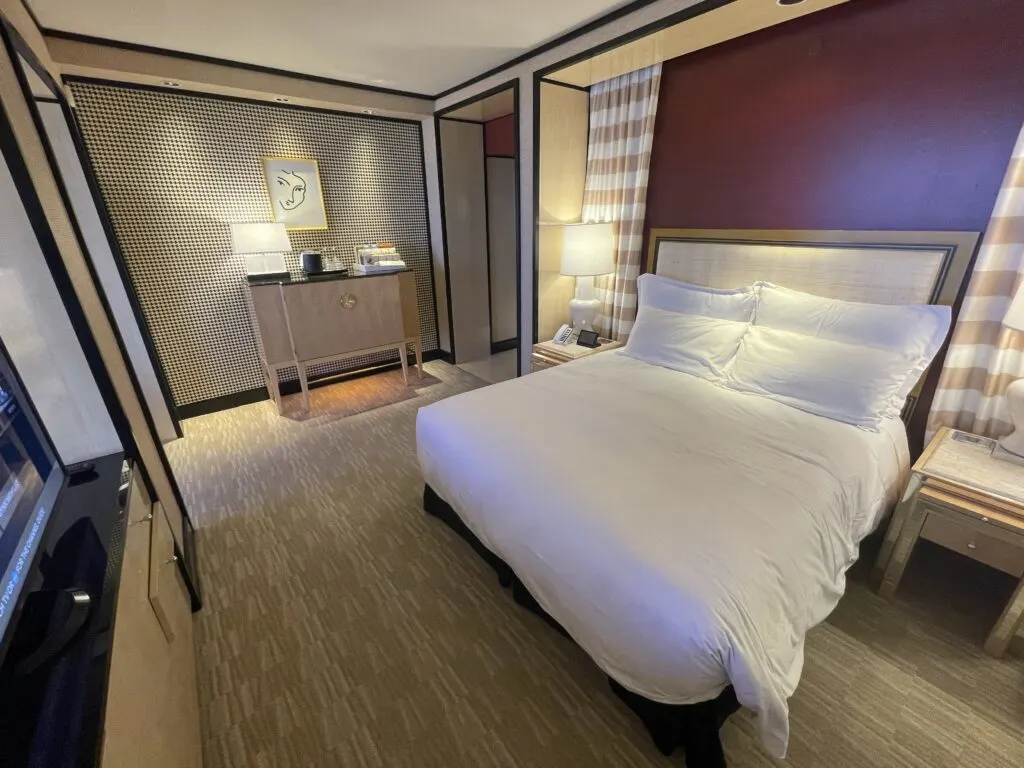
31 481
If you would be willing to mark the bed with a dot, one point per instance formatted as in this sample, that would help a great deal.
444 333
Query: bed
684 535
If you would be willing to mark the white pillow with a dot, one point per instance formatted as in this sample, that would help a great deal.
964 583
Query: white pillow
661 293
917 331
701 346
845 382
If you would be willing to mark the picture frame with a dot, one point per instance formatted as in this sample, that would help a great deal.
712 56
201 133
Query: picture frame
295 192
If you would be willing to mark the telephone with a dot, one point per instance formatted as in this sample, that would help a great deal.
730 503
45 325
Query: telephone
566 335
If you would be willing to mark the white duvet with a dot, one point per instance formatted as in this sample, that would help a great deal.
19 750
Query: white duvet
686 536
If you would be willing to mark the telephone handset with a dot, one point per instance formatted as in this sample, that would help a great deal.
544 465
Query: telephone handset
566 335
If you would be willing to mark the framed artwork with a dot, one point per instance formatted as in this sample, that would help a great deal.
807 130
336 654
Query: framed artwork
296 197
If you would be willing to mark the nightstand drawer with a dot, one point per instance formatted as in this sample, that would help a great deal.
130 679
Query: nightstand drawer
539 363
976 545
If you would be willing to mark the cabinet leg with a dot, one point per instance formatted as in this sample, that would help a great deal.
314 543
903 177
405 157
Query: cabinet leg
1008 624
902 551
403 354
418 346
275 389
899 518
304 383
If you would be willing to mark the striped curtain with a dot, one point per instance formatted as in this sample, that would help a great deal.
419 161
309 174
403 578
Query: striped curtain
984 355
622 114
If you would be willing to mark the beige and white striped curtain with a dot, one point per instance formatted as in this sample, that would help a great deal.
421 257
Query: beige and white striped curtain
622 114
985 356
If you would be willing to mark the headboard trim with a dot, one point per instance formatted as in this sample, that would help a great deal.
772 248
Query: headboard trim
958 248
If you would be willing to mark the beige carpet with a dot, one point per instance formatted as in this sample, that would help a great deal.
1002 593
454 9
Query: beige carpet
344 627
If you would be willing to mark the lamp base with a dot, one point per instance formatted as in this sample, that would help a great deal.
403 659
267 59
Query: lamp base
1014 442
583 308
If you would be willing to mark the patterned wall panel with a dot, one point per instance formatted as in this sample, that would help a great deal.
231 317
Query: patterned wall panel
176 170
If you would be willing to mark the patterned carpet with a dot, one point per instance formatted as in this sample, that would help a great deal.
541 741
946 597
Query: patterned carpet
344 627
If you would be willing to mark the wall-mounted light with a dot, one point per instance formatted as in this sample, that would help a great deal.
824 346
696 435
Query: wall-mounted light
170 83
282 99
785 3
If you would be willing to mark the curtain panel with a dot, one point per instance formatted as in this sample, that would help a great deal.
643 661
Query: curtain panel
622 112
985 356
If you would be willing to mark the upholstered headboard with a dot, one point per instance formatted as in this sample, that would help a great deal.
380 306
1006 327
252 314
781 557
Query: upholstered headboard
877 267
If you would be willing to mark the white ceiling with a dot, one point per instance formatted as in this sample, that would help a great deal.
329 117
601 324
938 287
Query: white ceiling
423 46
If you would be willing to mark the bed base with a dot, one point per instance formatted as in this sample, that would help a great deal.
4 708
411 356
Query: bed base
694 727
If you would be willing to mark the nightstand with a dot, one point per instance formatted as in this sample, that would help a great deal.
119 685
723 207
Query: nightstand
963 499
547 354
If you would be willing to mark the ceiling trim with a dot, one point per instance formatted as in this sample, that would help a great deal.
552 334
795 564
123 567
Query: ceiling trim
590 26
228 97
575 87
151 49
513 83
691 12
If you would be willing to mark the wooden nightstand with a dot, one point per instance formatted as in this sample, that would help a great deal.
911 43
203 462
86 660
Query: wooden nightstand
547 354
963 499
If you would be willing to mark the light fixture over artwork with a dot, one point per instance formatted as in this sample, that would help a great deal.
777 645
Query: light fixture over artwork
263 244
1014 442
587 250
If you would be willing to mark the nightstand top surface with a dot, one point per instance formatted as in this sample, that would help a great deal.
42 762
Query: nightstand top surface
573 351
966 460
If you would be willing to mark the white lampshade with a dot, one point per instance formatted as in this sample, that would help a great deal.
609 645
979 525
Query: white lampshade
588 249
1015 314
261 237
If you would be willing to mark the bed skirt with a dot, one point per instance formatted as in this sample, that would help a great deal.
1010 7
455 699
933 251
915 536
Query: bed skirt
693 727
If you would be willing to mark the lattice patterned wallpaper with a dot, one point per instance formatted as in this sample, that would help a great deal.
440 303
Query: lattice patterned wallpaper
176 170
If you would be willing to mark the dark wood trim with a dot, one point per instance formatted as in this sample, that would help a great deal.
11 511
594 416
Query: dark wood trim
503 157
497 347
186 92
487 234
536 200
444 235
549 81
475 98
224 402
154 50
517 116
463 120
291 387
31 14
697 9
590 26
430 234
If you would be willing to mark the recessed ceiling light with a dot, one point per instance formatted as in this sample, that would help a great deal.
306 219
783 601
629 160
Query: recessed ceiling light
170 84
282 99
789 2
366 111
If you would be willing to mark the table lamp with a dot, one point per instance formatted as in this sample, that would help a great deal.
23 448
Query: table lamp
263 244
587 250
1014 442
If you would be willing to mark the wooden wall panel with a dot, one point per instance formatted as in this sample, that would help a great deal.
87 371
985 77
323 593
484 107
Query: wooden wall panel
462 160
564 130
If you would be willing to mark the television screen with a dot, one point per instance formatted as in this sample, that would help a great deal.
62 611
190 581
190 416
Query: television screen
30 482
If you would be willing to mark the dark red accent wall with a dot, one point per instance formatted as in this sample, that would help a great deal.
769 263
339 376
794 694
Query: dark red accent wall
878 114
500 137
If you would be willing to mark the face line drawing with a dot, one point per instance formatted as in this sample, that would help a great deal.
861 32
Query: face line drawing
295 187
